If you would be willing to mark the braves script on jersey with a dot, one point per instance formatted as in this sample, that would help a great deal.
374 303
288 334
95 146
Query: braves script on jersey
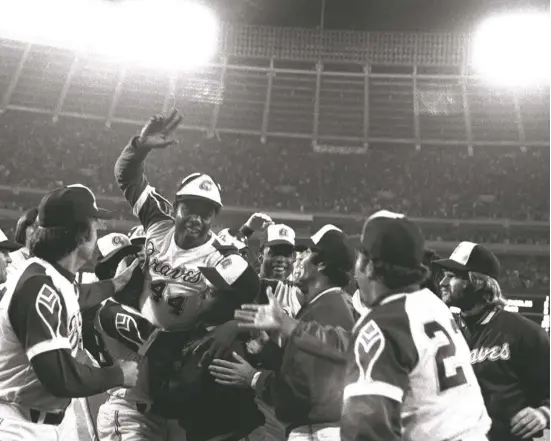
46 317
409 350
175 291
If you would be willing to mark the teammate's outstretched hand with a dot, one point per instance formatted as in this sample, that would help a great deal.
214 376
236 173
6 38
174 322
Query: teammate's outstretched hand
270 317
159 130
130 372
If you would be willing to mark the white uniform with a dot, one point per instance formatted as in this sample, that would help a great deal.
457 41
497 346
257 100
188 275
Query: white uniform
175 291
409 350
44 318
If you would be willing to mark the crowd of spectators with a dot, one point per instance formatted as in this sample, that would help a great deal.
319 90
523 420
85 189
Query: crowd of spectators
287 175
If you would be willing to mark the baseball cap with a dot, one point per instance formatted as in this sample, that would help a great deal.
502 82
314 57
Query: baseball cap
200 186
113 248
469 256
137 235
279 234
393 238
333 242
8 245
66 205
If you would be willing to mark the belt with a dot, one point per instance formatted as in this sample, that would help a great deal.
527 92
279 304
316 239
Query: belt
39 417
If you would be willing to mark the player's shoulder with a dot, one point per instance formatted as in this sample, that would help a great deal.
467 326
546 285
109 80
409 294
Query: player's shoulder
523 326
391 321
34 274
160 229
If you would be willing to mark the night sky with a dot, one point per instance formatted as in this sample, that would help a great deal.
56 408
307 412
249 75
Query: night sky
370 15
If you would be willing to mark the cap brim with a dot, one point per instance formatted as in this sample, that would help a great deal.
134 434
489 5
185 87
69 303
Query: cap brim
280 242
10 245
449 264
139 240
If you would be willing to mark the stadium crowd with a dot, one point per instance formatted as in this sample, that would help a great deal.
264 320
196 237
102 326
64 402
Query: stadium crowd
433 183
496 182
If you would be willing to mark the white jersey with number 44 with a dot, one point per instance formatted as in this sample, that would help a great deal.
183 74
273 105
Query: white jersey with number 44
410 350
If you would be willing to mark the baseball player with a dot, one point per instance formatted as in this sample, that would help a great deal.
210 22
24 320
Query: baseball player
306 391
408 366
42 362
179 240
276 267
7 247
509 353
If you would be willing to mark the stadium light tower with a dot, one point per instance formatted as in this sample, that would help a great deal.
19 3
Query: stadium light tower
165 34
513 49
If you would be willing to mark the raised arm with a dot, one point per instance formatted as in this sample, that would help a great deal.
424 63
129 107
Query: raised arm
147 204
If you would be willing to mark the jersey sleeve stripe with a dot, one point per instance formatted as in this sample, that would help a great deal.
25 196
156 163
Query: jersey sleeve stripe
373 388
226 273
48 345
142 200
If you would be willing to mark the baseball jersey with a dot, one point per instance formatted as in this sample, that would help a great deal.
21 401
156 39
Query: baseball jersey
501 342
45 319
175 291
127 335
409 350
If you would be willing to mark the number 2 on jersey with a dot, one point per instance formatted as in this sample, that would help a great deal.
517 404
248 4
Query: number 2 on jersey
443 353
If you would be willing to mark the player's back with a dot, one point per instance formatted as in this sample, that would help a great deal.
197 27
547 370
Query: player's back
444 401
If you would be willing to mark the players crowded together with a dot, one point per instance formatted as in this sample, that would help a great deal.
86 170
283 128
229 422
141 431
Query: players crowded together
383 340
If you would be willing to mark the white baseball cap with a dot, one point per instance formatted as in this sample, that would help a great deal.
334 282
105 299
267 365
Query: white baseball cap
200 186
113 248
280 234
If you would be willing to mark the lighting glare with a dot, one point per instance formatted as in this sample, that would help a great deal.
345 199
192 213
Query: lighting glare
513 49
167 34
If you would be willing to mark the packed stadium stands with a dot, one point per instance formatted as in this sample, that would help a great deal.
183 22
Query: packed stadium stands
434 182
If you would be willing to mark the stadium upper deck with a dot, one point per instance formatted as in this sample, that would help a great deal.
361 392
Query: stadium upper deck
342 90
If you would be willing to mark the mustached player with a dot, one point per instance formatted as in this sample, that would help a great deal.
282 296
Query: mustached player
179 240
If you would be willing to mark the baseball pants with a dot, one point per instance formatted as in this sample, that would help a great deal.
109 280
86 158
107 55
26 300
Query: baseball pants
16 425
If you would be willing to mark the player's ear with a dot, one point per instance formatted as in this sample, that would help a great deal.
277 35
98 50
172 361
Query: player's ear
260 258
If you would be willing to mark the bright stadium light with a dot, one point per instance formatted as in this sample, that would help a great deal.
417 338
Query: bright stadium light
513 49
166 34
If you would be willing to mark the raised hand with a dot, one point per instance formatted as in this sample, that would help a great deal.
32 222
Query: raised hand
159 130
262 317
259 221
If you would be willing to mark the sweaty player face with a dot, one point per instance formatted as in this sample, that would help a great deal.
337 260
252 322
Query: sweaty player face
194 219
277 261
5 260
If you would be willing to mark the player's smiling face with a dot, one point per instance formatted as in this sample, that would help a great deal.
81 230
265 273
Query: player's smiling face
277 261
194 219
